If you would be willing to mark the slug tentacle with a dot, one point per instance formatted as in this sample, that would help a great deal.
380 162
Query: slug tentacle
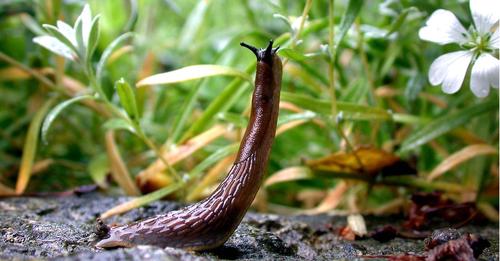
265 54
210 222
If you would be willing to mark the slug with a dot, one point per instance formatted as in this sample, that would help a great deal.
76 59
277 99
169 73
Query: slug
210 222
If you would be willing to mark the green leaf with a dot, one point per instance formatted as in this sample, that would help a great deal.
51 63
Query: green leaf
445 124
61 35
54 45
233 118
353 8
107 53
86 23
118 124
79 38
185 112
98 167
93 37
31 24
192 73
307 115
400 20
212 159
52 115
30 146
349 111
127 98
227 98
292 54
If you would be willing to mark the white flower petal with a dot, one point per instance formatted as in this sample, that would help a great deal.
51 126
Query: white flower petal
67 31
494 42
443 28
86 17
484 14
484 74
450 69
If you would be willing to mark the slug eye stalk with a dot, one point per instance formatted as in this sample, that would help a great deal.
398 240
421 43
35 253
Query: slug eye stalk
263 54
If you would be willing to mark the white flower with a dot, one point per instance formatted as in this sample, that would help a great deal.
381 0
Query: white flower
479 42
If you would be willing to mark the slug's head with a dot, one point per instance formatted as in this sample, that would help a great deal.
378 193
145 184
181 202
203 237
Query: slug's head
263 54
110 238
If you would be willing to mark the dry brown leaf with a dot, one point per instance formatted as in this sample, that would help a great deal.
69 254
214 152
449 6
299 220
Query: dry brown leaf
310 197
332 199
460 157
289 107
288 174
179 153
289 126
6 191
119 171
467 136
292 107
361 160
389 92
434 99
41 165
13 74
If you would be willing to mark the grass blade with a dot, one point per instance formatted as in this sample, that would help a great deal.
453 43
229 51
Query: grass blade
30 146
353 8
220 104
212 159
141 201
445 124
350 111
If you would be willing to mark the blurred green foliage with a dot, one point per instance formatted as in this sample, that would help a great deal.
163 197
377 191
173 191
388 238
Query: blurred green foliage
383 97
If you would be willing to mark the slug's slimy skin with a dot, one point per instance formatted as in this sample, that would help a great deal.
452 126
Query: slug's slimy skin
210 222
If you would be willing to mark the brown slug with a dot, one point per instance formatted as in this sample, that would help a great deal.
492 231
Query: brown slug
210 222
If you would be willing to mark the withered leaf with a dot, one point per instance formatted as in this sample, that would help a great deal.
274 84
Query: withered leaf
363 160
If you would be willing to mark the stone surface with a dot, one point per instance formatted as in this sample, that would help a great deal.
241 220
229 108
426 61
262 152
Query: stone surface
63 228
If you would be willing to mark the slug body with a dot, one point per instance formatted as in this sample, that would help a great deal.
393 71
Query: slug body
210 222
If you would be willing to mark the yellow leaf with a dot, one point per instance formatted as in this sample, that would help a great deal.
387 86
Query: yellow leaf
361 160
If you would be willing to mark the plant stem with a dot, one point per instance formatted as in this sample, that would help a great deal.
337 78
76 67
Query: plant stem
366 66
28 70
297 34
332 52
306 10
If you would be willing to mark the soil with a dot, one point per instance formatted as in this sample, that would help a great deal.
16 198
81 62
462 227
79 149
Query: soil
63 228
